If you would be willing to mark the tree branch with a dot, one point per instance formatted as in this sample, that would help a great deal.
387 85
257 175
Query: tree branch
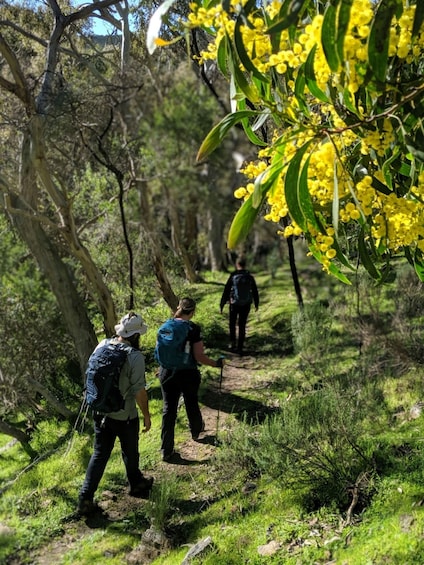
20 88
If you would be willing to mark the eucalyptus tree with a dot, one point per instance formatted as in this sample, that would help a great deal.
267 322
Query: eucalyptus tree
66 102
38 375
38 48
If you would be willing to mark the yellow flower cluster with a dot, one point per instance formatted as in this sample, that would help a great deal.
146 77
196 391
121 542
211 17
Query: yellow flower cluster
395 220
399 222
378 140
401 37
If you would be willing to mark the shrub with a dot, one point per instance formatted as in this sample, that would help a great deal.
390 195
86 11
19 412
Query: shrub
315 443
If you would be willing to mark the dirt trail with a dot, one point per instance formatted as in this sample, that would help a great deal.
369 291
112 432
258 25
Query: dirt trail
218 402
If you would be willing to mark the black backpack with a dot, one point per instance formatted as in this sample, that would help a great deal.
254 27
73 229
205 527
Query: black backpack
104 367
241 291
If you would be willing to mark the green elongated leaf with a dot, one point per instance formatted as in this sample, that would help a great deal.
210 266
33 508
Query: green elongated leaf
333 269
404 169
299 91
365 257
226 6
250 91
343 22
387 169
418 18
256 140
264 88
304 197
221 57
416 152
380 186
218 132
242 223
379 38
289 14
310 79
328 38
416 261
239 45
207 4
419 268
348 102
250 129
337 98
262 187
335 205
291 187
296 191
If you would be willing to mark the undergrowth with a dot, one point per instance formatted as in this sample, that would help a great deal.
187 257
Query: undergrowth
332 470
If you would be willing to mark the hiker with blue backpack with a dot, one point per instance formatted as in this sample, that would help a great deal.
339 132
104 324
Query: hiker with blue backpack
240 292
179 351
115 386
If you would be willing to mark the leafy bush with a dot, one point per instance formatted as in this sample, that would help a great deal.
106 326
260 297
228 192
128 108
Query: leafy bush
311 329
315 443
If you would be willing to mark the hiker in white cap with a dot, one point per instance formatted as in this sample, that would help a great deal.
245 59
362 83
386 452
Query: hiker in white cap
124 423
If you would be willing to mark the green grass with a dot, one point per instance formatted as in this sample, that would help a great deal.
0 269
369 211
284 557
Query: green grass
363 355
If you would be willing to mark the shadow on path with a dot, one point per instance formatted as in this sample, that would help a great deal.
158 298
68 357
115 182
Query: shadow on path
251 411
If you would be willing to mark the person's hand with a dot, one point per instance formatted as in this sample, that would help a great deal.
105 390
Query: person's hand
220 362
147 424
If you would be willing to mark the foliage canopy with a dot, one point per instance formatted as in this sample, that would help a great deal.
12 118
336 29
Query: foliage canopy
331 93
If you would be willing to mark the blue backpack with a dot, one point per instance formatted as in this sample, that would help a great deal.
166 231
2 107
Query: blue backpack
170 350
104 367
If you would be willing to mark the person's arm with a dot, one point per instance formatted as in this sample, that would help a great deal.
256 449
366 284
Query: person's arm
143 402
226 294
201 357
255 293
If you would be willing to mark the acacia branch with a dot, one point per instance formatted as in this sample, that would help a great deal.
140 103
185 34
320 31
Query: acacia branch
415 92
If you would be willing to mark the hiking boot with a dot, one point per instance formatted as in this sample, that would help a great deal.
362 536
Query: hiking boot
87 507
142 489
196 436
173 457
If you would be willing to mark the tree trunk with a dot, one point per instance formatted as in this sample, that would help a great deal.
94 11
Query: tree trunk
157 261
191 235
294 272
51 399
22 437
71 304
177 243
215 240
34 157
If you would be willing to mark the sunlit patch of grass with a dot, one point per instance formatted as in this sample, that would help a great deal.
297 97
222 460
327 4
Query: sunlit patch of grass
234 498
391 530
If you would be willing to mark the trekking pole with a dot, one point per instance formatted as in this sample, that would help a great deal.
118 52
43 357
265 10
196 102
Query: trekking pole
219 401
78 426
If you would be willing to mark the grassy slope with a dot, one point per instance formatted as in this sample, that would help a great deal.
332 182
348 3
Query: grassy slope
210 500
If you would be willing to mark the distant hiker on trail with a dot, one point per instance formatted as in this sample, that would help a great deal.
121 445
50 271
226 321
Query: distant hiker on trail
123 423
240 291
179 350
